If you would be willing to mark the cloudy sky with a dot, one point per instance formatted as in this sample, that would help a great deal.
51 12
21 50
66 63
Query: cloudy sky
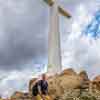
24 40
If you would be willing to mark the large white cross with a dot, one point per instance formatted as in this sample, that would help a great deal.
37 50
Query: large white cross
54 48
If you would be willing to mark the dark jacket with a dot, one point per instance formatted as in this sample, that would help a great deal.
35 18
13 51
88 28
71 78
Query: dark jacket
43 85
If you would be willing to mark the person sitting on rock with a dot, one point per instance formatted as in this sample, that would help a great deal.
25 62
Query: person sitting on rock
40 89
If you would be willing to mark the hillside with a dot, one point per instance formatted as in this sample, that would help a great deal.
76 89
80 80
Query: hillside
66 86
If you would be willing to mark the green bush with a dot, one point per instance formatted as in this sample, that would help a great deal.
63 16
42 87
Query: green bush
70 98
88 98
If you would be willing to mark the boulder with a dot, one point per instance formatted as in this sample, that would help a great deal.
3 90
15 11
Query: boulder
59 84
97 78
69 71
83 74
96 82
85 80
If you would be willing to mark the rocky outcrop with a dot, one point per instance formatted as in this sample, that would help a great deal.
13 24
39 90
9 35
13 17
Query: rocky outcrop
58 83
21 96
66 86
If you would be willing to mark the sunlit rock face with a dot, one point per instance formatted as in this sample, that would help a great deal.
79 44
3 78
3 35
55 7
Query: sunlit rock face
60 83
96 82
69 71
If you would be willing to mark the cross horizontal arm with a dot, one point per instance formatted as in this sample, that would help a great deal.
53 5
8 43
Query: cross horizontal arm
63 12
60 9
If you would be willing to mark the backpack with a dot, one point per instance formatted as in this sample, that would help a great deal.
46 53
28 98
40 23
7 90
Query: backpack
35 90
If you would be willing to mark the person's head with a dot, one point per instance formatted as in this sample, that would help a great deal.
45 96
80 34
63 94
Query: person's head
44 77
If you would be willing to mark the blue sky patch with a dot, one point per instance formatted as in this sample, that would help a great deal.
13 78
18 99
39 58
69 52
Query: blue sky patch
93 28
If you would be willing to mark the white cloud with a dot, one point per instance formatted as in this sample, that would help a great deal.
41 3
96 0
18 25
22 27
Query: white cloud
16 80
80 51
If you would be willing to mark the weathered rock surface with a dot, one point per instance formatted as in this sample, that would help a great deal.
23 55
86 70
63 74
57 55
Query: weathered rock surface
59 84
